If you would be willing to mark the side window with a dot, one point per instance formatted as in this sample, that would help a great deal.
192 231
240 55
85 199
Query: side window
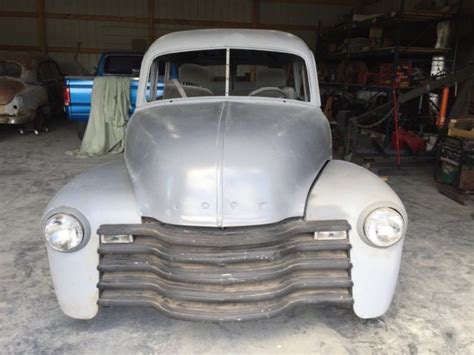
54 70
44 72
10 69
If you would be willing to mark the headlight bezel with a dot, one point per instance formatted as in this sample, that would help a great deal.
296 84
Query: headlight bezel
372 208
86 229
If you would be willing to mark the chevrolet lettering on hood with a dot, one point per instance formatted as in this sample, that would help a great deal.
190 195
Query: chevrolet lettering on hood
227 204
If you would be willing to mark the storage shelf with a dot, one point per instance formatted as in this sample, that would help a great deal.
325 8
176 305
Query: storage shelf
386 51
388 20
362 87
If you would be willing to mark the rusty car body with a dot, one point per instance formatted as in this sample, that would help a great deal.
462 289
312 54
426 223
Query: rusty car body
30 88
227 204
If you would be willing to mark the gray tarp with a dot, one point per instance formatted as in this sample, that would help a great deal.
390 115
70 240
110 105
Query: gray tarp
105 133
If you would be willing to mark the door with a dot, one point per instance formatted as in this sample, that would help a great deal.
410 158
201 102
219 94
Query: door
51 78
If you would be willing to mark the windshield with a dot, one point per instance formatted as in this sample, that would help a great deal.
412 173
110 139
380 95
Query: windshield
122 64
10 69
231 72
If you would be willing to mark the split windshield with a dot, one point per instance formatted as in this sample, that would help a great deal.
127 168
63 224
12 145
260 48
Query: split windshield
228 72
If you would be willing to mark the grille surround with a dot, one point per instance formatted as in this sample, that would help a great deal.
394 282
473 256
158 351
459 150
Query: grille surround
231 274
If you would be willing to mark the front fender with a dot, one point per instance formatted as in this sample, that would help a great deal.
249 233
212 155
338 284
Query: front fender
348 191
104 195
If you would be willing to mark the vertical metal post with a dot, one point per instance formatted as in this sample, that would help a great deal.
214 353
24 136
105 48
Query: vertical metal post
457 33
395 123
396 57
41 24
227 71
151 21
396 64
255 22
318 37
255 13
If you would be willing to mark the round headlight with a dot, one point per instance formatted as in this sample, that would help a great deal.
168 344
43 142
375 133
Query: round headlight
384 227
63 232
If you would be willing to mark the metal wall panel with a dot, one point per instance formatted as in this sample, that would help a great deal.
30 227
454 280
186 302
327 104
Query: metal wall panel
18 5
101 35
219 10
18 31
94 34
101 7
301 13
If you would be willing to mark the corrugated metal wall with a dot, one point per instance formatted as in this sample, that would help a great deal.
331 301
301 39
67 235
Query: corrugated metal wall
119 35
18 31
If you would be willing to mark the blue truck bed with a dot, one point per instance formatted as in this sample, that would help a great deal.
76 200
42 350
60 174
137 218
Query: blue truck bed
80 93
78 89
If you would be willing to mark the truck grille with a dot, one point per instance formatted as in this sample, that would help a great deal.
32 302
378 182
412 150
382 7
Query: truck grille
238 273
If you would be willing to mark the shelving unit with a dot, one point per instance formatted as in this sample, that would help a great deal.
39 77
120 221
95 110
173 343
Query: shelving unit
392 42
387 51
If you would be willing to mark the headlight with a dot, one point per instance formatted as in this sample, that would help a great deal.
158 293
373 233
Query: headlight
63 232
384 227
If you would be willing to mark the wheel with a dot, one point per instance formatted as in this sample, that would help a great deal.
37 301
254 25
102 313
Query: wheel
81 129
38 123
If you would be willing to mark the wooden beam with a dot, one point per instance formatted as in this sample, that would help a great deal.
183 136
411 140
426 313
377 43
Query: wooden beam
165 21
42 40
255 13
30 14
202 23
13 47
151 21
287 27
99 18
348 3
81 50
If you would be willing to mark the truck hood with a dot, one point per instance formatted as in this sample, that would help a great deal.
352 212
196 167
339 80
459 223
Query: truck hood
225 163
8 89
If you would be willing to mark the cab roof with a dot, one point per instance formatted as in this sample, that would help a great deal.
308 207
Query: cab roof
199 40
234 38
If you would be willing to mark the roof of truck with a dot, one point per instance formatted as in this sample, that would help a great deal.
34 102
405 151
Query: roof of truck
197 40
25 59
233 38
123 52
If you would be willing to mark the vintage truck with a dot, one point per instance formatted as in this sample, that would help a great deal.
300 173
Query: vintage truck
227 204
31 86
78 89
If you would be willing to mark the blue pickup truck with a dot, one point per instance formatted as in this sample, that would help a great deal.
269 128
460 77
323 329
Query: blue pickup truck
78 89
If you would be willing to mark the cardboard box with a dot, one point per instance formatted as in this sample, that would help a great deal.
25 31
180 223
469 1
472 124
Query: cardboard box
462 127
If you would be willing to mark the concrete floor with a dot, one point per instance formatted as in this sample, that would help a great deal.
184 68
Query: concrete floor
433 309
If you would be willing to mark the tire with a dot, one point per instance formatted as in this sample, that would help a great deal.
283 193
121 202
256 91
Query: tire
38 123
81 129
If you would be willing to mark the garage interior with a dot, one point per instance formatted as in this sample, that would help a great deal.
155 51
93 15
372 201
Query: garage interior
396 84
